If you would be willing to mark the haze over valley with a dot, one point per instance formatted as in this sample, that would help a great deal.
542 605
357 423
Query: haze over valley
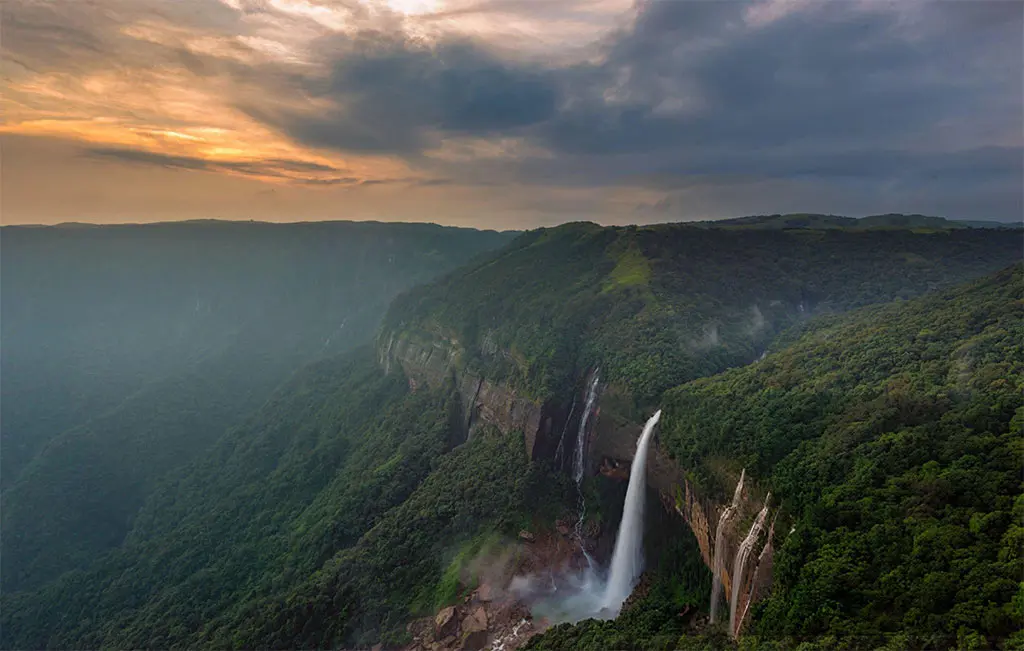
453 325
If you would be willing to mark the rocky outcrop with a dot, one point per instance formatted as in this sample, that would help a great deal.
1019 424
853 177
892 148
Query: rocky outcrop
610 443
693 510
446 624
613 447
495 614
436 360
474 630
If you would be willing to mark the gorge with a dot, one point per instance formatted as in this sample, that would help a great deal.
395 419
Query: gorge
475 477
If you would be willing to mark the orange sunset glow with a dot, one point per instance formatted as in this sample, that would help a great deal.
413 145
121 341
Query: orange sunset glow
504 113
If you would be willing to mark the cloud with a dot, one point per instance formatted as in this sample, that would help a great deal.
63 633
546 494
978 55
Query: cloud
298 171
388 93
718 106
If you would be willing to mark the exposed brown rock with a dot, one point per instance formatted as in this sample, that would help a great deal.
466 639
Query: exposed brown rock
612 439
483 401
474 630
692 511
446 623
473 641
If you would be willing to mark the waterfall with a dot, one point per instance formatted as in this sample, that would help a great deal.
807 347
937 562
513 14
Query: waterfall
578 461
579 464
719 560
765 554
627 559
560 450
739 566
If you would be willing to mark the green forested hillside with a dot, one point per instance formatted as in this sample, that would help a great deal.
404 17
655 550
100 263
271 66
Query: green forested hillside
128 350
657 306
328 518
892 438
344 505
922 223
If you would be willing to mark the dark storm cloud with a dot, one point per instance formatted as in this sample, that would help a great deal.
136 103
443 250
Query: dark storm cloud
828 73
747 105
391 94
834 89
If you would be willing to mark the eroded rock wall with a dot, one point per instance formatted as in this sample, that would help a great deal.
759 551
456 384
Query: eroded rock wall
435 360
613 447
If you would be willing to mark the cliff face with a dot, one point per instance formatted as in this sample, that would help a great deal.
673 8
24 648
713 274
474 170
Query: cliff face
436 361
609 444
613 446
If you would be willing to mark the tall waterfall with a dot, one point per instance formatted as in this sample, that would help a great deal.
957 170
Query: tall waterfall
578 460
627 559
719 560
560 450
740 564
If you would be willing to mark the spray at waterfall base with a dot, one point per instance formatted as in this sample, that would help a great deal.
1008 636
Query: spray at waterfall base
587 589
594 592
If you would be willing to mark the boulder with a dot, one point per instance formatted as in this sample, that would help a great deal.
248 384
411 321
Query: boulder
476 620
474 630
446 623
526 536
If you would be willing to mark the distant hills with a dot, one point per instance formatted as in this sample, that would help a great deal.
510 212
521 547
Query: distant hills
207 455
130 349
891 221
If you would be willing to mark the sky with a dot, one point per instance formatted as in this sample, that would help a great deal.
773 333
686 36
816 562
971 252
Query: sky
509 113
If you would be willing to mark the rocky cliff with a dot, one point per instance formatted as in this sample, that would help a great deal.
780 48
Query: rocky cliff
438 360
613 445
610 444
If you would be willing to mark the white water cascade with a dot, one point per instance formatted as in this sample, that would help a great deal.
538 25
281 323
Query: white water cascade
560 450
719 560
766 552
590 592
578 463
627 559
740 564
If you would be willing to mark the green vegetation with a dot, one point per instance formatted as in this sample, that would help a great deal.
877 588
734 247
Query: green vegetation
129 350
205 508
323 521
658 306
675 588
833 222
632 269
893 439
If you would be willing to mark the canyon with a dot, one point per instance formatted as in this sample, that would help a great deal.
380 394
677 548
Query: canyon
608 441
